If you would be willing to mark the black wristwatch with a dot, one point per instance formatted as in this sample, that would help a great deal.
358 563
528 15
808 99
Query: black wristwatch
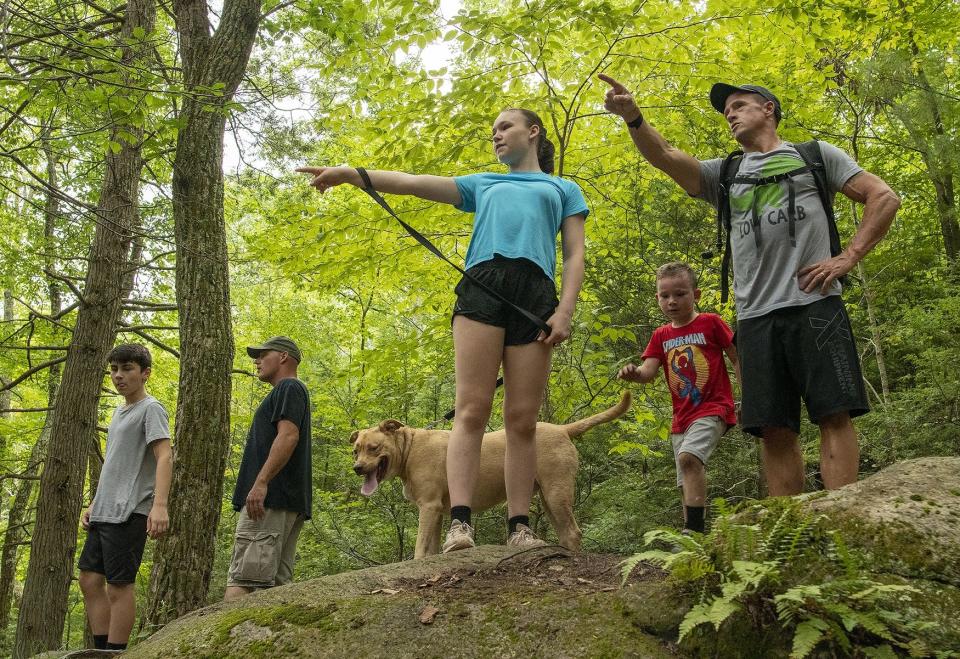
636 123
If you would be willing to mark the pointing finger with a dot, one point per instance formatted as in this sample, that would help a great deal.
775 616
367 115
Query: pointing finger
617 87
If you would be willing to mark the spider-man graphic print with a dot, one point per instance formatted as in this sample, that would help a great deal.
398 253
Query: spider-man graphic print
692 359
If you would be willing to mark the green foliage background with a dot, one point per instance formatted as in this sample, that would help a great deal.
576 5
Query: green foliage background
347 82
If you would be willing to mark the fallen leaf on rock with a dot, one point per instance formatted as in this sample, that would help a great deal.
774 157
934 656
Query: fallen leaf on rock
555 568
385 591
582 580
428 614
608 589
434 579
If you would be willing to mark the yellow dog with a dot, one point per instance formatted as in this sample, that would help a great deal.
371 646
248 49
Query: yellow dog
419 458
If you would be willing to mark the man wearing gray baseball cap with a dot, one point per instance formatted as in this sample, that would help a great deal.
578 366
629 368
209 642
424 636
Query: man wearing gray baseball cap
278 344
774 202
274 493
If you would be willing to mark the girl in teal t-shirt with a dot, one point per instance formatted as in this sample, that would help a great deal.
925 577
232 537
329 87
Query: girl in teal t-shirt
512 250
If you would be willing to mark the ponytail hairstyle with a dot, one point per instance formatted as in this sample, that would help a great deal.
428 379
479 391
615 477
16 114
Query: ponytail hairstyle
545 148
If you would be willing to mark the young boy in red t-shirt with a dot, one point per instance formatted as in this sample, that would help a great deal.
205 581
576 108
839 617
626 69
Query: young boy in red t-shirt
690 347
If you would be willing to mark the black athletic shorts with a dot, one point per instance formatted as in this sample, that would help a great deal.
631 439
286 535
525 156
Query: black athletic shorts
795 353
115 550
520 281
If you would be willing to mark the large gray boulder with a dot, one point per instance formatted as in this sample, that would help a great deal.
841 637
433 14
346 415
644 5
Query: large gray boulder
901 526
496 602
485 602
907 516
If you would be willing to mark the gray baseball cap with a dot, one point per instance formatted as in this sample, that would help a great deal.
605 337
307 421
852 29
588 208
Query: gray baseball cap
721 90
278 343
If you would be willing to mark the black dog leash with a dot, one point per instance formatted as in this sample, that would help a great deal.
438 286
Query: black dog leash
423 240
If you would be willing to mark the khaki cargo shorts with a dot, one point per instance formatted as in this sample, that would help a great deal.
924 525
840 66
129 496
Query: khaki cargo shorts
264 551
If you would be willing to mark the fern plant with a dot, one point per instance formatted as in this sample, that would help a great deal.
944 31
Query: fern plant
834 610
776 562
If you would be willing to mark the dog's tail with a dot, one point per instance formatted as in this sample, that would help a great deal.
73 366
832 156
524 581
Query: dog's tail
577 428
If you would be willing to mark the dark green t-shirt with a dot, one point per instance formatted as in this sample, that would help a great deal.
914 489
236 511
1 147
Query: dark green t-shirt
292 487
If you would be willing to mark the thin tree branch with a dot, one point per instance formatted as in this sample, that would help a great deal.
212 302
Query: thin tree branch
35 369
163 346
69 282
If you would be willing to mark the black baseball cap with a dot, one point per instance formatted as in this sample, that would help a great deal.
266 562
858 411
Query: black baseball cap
721 90
278 343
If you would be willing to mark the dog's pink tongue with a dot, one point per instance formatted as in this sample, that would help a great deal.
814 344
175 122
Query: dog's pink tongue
369 485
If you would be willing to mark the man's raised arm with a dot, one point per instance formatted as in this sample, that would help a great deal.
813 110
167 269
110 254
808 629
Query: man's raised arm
681 167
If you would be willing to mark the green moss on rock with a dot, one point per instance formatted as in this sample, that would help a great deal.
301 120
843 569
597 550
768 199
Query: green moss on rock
493 603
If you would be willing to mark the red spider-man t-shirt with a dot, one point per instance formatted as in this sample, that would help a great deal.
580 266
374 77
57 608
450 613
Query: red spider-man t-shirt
692 358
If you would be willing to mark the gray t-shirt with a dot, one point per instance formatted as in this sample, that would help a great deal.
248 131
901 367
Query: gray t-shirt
765 277
129 468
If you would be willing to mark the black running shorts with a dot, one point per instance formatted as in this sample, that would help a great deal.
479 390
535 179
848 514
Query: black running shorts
115 550
518 280
795 353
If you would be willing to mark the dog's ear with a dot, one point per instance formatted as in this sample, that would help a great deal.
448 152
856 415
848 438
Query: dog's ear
354 435
390 425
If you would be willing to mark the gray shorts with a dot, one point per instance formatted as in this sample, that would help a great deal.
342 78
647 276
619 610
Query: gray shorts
700 439
264 550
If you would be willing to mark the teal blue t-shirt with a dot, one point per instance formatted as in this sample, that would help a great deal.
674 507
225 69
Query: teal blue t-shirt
518 215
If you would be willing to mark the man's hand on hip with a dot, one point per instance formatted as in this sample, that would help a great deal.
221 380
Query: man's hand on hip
824 273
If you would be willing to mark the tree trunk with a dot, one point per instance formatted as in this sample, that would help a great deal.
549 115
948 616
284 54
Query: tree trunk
184 557
6 396
875 334
17 519
16 533
940 174
946 207
939 169
74 426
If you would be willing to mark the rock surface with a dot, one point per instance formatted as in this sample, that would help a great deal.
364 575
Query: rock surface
496 602
907 516
905 523
485 602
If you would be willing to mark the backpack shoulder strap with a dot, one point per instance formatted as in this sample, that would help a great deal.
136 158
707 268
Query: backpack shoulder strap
813 157
728 171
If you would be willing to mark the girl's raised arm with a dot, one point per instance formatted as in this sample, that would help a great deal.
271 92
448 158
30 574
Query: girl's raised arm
432 188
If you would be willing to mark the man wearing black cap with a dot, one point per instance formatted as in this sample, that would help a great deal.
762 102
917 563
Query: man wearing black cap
793 334
274 493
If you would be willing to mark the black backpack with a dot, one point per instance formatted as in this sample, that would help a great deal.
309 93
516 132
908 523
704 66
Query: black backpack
813 163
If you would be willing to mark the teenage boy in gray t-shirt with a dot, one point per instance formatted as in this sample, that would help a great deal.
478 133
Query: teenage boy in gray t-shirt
130 503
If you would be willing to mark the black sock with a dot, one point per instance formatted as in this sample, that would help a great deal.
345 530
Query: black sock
461 513
116 646
694 518
518 519
100 641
